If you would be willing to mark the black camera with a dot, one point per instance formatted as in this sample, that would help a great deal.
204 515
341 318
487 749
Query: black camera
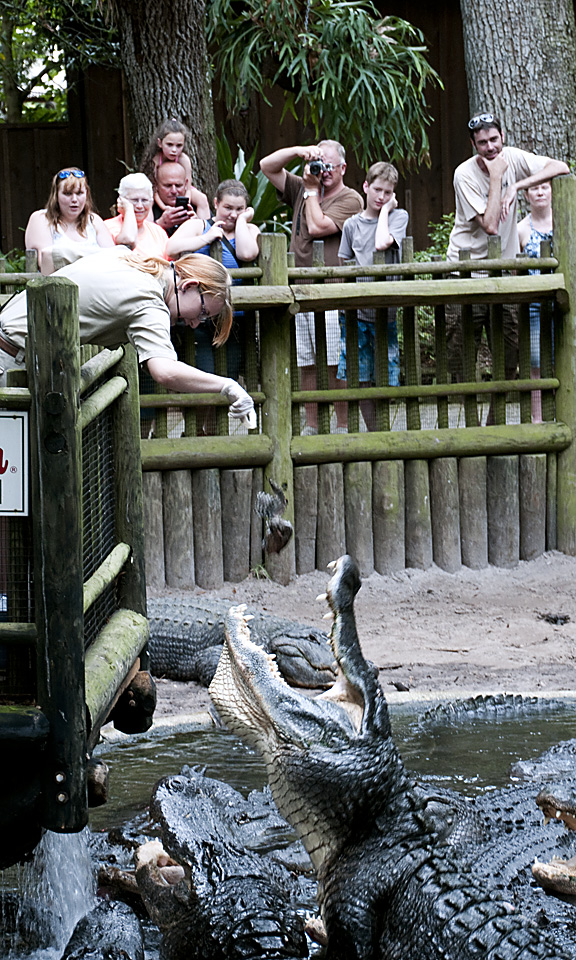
317 167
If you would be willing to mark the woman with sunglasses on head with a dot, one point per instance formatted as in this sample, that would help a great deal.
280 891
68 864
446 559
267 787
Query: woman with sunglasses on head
68 227
127 298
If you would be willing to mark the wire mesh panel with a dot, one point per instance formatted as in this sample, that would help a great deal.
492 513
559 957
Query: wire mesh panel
98 510
17 660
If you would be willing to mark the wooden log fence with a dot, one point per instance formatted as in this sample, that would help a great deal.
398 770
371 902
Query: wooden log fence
406 495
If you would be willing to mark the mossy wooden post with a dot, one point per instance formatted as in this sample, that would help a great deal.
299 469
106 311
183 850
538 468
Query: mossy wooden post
503 511
445 510
178 515
441 351
256 525
388 516
306 516
418 519
468 351
547 310
564 211
381 362
236 495
499 371
321 346
128 483
532 505
153 529
207 507
276 385
331 535
473 512
358 514
53 363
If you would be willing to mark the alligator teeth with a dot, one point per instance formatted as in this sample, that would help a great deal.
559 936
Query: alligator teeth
322 596
328 616
332 566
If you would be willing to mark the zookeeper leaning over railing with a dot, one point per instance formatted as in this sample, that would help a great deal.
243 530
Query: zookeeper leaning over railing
126 298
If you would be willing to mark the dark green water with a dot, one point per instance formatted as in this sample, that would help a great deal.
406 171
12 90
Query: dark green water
470 756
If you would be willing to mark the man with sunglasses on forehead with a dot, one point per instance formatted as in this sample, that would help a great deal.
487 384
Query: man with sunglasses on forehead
486 188
321 203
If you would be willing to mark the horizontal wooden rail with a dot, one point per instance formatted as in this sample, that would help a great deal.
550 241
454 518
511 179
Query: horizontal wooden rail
18 633
429 444
17 277
191 399
109 660
97 366
15 398
428 390
419 293
417 268
105 574
103 398
201 452
22 723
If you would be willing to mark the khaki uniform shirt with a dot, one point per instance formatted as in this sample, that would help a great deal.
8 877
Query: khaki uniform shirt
117 304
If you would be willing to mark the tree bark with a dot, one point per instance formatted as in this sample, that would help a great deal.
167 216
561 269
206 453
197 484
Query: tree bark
166 67
521 67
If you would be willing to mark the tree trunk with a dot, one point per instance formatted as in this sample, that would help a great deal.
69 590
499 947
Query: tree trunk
521 67
13 98
166 67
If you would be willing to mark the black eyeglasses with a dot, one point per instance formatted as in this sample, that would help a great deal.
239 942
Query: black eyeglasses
480 119
203 315
64 174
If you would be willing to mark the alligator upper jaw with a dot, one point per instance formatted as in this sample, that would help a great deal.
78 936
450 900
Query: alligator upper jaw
257 704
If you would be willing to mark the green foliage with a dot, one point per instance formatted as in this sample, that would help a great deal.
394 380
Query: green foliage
356 77
439 236
15 261
40 42
270 214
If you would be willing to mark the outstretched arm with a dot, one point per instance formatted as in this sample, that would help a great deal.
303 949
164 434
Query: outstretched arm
179 377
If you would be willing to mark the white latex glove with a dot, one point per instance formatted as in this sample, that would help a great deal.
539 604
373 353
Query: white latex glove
241 403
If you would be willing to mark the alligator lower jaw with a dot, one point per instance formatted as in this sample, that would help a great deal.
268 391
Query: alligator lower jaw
557 876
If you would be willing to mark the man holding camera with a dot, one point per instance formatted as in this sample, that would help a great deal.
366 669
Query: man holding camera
171 207
321 203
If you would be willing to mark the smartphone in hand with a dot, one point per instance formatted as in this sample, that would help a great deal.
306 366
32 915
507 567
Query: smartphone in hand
181 201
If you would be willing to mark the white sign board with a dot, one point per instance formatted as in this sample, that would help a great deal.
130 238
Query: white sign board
13 463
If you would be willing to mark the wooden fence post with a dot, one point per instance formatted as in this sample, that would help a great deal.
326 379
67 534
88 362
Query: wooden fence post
276 385
564 210
53 364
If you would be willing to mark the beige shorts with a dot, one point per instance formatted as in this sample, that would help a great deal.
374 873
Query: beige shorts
306 340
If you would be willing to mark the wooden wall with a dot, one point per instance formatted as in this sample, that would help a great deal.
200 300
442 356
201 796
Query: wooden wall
97 137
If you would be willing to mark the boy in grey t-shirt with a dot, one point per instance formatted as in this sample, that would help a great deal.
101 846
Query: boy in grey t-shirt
381 226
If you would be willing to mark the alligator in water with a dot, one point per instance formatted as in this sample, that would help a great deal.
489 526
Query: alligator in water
403 871
186 637
230 900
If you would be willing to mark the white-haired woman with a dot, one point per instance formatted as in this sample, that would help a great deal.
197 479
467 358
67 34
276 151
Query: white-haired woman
131 228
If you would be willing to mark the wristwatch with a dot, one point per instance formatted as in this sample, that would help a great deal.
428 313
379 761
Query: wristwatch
310 193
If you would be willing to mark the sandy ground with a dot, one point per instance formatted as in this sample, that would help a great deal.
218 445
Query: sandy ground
435 633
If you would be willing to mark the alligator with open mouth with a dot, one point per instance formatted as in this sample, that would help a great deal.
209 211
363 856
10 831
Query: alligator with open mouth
404 871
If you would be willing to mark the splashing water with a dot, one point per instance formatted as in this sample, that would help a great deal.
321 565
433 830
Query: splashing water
52 891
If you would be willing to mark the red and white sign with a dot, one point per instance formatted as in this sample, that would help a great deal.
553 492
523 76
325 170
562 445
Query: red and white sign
13 463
